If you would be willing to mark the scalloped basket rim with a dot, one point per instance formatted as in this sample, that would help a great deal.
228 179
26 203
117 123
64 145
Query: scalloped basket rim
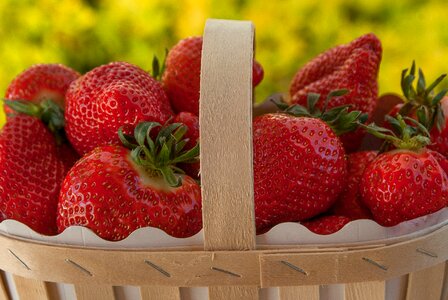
358 232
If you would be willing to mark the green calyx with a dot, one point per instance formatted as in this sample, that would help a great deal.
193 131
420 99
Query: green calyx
51 114
158 67
159 156
340 119
421 99
411 137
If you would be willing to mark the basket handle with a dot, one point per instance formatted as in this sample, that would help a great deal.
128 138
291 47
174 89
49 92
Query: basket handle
226 135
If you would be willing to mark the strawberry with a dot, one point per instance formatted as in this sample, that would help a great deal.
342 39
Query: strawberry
349 203
108 97
41 82
114 190
422 104
407 182
353 66
40 91
181 77
299 162
30 174
326 224
192 122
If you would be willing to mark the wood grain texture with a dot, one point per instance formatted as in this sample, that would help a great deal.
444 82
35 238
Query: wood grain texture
30 289
233 293
3 287
372 290
160 292
426 284
94 291
353 266
226 136
306 292
445 283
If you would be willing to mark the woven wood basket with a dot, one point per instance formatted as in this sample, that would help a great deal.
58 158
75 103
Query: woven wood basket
230 264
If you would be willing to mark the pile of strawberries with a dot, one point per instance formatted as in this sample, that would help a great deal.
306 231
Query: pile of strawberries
117 148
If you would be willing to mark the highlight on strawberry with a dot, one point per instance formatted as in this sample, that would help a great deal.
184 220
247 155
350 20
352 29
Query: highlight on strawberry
115 190
408 181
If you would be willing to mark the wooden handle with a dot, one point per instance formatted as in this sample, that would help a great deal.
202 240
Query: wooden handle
226 135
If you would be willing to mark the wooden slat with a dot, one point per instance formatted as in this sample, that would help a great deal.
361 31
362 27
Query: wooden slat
445 284
233 293
31 289
93 291
306 292
372 290
3 287
160 292
426 284
226 134
226 167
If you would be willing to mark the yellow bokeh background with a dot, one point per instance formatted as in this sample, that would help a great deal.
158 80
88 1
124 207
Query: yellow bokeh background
86 33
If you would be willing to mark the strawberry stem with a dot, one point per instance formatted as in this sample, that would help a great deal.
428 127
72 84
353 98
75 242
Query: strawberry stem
340 119
159 156
421 99
409 137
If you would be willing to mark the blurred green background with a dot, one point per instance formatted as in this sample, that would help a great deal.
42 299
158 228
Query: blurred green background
86 33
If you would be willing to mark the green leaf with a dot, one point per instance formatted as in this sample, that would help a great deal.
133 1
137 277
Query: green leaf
170 177
191 154
140 132
24 107
298 111
280 105
421 84
412 72
394 123
155 67
439 97
180 132
435 83
311 101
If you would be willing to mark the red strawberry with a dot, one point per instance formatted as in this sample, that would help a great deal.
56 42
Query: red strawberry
40 91
349 203
41 82
326 224
353 66
422 104
115 191
299 162
108 97
30 174
181 78
192 122
407 182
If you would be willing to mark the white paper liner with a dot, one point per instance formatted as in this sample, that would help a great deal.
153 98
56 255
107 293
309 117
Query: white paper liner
359 231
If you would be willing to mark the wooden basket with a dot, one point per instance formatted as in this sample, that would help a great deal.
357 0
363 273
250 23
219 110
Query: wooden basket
230 264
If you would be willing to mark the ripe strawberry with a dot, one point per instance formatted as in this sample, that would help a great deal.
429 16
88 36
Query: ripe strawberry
192 122
422 104
41 82
181 77
114 190
408 182
299 162
349 203
30 174
40 92
326 224
353 66
108 97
